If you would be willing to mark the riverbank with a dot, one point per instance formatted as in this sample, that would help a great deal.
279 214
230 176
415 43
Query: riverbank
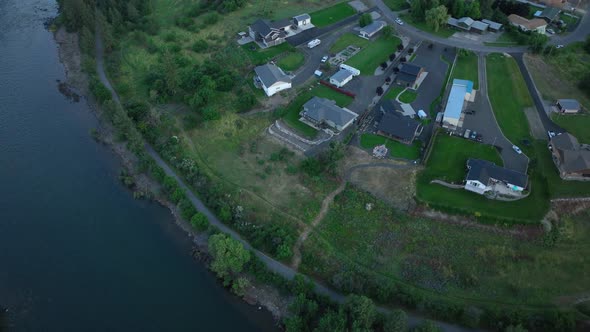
262 296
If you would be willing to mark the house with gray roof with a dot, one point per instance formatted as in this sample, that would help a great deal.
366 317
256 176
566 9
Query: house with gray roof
322 112
341 77
401 128
468 24
570 106
550 14
271 78
408 75
269 33
484 177
371 29
571 158
493 26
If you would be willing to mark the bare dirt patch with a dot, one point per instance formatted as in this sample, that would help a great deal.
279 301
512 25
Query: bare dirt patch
394 186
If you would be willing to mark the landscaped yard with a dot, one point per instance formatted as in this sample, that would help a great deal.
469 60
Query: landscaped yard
393 92
466 69
509 96
448 162
291 113
260 56
577 125
408 96
346 40
331 15
381 251
396 149
291 61
557 186
368 59
443 31
397 5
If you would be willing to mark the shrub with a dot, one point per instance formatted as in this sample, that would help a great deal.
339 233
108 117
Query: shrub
200 46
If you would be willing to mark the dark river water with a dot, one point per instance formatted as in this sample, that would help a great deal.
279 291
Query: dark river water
77 252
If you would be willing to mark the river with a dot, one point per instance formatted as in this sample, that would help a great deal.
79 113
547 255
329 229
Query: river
77 252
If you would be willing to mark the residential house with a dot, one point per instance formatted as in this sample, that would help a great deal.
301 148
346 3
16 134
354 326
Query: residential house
371 29
398 127
484 176
536 24
408 75
550 14
493 26
571 158
341 77
479 27
569 106
324 112
463 23
269 33
272 79
461 91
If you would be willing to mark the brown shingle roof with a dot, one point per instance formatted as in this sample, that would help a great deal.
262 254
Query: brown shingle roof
529 24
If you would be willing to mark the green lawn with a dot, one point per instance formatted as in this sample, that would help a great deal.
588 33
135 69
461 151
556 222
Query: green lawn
443 31
396 149
346 40
408 96
331 15
397 5
368 59
291 61
466 69
291 115
260 56
505 39
509 96
382 251
568 19
393 92
577 125
447 162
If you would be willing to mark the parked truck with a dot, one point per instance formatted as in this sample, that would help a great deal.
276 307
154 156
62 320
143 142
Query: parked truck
313 43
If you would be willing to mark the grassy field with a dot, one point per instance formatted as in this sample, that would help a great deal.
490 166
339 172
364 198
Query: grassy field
393 92
362 251
408 96
397 5
466 69
369 58
443 31
509 96
261 56
577 125
331 15
447 162
396 149
292 112
346 40
291 61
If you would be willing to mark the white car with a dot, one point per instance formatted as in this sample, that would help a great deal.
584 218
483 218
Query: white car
551 134
559 46
399 21
516 149
550 31
324 58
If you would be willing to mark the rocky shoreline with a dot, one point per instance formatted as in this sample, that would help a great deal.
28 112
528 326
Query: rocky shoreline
76 89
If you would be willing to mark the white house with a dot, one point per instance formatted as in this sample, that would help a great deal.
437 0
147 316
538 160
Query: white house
272 79
342 77
483 176
301 20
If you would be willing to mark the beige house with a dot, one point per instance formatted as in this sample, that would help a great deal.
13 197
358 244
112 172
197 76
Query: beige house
571 158
536 24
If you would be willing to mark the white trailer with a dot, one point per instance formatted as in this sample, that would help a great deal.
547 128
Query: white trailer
314 43
354 71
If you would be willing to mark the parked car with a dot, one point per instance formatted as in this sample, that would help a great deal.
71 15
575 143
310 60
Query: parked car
314 43
471 112
551 134
559 46
399 21
324 58
479 138
467 133
516 149
473 134
550 31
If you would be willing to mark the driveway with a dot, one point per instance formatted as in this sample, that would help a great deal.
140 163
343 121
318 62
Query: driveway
484 122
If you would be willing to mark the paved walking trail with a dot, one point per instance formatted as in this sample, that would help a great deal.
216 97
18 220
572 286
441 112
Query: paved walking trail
273 265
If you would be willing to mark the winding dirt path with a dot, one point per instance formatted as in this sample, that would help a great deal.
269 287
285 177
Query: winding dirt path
323 211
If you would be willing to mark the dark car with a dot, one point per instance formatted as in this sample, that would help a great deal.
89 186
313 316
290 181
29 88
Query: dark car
470 112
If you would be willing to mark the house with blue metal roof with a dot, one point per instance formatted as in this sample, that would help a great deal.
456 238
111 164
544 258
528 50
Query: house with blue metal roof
460 92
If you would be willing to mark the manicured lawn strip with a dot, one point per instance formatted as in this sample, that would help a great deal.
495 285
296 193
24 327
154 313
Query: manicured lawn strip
568 19
466 69
396 149
447 162
291 61
443 31
368 59
397 5
393 92
261 56
346 40
412 57
557 186
408 96
330 15
509 96
577 125
292 116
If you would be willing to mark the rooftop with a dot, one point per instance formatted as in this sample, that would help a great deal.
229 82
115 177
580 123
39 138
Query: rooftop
321 109
397 125
411 69
493 25
341 75
570 104
302 17
479 25
373 27
483 170
550 12
529 24
457 97
270 74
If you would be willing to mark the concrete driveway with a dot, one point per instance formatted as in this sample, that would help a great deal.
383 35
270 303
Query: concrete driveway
484 122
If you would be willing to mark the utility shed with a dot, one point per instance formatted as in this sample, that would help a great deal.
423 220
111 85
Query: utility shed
341 77
570 106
